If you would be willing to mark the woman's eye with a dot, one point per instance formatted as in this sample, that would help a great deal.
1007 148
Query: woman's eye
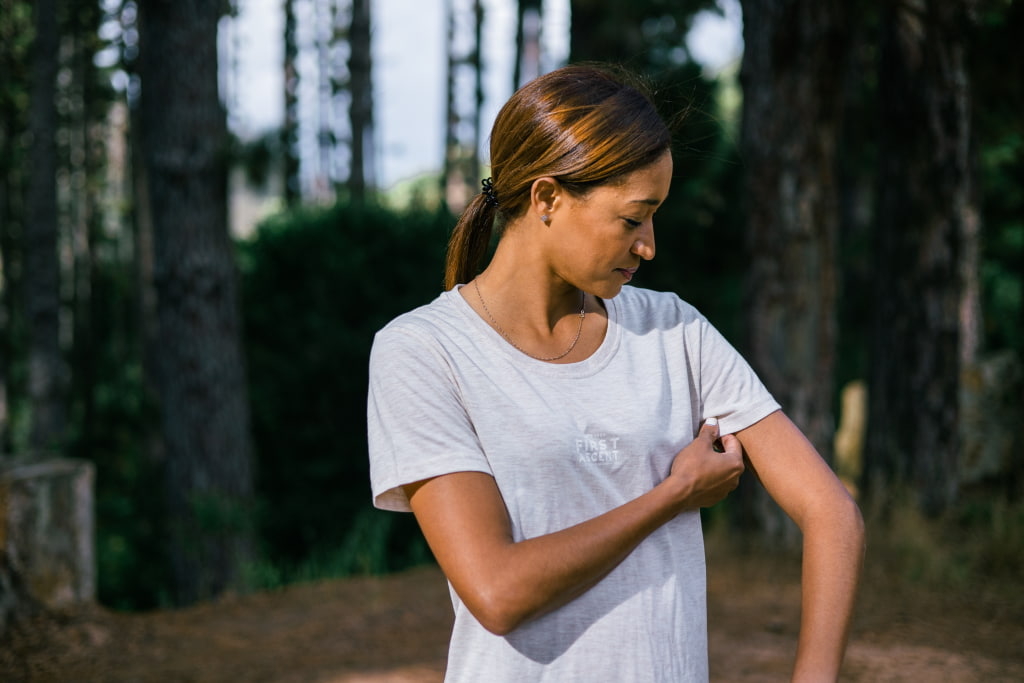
632 223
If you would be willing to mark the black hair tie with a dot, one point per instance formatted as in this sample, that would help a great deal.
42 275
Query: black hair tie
490 194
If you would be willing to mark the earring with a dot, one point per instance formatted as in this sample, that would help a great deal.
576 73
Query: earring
545 218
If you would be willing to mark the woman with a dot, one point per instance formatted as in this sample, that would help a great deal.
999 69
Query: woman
556 431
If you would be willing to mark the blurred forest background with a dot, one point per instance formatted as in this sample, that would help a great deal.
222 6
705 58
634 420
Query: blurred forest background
848 209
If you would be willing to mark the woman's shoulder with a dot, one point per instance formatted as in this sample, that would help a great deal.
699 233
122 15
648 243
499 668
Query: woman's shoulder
441 310
432 325
654 305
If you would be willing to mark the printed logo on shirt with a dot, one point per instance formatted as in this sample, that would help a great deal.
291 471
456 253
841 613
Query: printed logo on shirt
597 449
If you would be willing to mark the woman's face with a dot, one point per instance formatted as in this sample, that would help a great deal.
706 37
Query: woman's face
603 236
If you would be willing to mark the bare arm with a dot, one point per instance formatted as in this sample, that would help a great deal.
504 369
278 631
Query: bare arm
504 583
805 487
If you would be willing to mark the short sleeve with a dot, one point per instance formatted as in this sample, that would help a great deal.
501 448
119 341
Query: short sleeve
417 425
730 389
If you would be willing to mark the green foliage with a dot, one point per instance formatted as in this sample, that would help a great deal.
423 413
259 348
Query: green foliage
699 228
216 513
114 422
368 548
317 284
996 69
978 542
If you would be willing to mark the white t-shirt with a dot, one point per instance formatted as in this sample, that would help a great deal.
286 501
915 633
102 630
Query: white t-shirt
566 443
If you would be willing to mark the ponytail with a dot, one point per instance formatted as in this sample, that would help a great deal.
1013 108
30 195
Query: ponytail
469 241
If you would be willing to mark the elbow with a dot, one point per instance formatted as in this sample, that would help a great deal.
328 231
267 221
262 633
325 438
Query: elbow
836 519
496 616
854 518
849 516
499 625
495 610
859 528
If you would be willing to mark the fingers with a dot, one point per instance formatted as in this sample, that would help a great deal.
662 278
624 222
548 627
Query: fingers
727 444
732 453
710 466
730 444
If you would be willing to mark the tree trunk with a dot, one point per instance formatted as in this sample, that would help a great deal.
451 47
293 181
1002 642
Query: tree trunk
361 106
6 346
644 35
86 117
925 228
203 395
462 124
529 54
477 62
448 179
46 370
792 96
324 184
14 64
517 65
6 168
606 30
290 126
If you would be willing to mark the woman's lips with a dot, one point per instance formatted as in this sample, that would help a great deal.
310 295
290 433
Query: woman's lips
627 273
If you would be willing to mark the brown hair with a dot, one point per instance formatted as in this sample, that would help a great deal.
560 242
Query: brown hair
585 125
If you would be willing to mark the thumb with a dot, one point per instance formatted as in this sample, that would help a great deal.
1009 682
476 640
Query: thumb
709 429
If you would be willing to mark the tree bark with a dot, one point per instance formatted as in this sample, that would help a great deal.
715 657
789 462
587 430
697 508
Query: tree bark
290 126
645 35
325 183
86 117
203 393
925 228
792 94
462 124
9 176
46 369
360 65
6 244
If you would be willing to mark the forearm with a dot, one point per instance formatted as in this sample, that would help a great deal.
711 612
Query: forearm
505 583
538 575
832 561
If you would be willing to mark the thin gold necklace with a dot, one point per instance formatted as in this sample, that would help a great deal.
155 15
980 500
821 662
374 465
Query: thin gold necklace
501 331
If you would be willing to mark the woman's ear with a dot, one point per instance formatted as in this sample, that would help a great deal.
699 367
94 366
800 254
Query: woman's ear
544 194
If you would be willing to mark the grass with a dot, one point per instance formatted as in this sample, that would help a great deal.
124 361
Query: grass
368 549
979 541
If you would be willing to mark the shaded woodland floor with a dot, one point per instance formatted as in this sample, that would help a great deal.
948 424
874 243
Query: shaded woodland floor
394 629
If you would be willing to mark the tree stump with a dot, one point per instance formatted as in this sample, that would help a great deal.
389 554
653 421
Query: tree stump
47 524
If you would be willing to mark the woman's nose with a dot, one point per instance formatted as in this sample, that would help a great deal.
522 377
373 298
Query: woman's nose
644 245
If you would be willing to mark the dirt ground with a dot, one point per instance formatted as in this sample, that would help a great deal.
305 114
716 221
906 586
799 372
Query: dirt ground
394 629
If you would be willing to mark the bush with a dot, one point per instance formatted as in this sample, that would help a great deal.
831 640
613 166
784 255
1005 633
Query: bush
317 284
